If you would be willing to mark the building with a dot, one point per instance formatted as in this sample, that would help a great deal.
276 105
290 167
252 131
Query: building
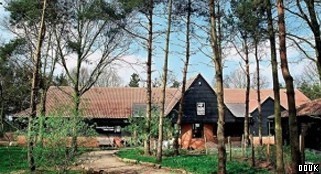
235 101
110 108
309 123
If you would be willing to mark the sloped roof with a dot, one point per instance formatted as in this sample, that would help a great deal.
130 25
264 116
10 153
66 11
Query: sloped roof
235 99
312 108
178 94
102 102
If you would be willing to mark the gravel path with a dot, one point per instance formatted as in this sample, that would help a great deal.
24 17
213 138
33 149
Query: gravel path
105 161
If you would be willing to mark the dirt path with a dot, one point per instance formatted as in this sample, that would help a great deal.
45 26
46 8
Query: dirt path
104 160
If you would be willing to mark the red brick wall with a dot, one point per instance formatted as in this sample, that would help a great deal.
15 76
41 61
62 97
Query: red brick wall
208 132
195 143
81 141
265 140
186 135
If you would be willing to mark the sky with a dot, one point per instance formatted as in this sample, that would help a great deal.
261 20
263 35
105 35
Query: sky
200 63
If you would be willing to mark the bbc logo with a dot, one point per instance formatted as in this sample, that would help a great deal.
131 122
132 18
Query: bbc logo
309 168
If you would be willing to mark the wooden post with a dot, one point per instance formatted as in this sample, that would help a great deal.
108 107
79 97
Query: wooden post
242 145
268 149
252 151
302 142
229 146
205 140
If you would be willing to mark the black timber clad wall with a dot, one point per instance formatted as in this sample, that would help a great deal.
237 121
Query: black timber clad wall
200 91
267 110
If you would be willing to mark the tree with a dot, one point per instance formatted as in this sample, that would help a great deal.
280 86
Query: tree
146 8
109 78
312 91
89 27
217 59
242 28
308 82
15 80
236 79
149 43
134 80
308 12
257 37
293 127
34 90
164 83
276 91
175 84
60 80
186 9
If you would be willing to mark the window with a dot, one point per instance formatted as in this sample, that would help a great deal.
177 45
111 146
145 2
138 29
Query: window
271 127
197 130
117 129
200 108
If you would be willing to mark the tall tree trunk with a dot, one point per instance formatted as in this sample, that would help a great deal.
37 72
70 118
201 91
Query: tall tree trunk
258 91
42 116
76 100
46 82
217 59
1 111
293 128
149 79
181 102
76 114
276 91
35 90
247 93
165 69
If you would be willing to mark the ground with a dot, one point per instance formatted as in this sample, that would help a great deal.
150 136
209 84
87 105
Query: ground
104 160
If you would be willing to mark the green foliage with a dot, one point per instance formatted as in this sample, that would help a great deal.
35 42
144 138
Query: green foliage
15 77
175 84
313 156
53 152
29 11
313 91
60 80
138 122
201 164
24 10
134 80
246 18
13 159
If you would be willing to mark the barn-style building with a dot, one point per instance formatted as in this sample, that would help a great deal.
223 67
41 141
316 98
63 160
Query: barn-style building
309 123
110 108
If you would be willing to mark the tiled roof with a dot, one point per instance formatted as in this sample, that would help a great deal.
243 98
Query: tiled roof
235 99
100 102
312 108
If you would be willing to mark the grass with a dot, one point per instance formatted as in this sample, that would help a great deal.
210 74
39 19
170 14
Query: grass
15 159
201 164
313 156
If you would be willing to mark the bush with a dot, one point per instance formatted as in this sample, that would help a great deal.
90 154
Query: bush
137 123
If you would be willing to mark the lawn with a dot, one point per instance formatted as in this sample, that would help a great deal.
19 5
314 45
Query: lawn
313 156
201 164
15 159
